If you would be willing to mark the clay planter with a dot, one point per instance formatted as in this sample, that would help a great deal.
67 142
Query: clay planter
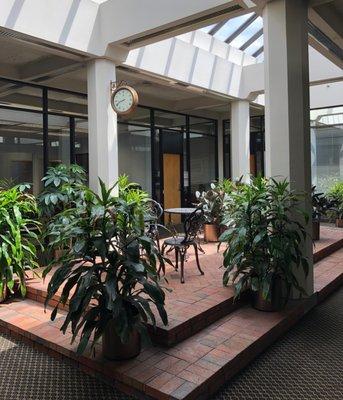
114 349
339 222
315 230
3 295
211 233
276 300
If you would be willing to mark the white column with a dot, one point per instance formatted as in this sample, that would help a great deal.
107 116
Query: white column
287 121
220 150
102 122
240 139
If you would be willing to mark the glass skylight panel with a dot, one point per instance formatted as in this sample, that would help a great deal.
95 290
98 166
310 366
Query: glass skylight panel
231 26
208 28
257 44
247 33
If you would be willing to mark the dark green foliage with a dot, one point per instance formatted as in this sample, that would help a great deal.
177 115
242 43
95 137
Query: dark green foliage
321 204
265 236
110 272
18 237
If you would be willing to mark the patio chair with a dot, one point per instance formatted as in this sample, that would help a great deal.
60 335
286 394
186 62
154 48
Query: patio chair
192 225
152 216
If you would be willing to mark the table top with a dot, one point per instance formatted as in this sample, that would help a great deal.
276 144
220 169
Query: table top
180 210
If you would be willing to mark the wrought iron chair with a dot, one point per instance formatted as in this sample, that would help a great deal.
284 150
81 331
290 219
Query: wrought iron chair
152 216
192 225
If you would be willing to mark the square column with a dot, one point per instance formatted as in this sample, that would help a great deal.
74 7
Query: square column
240 139
102 122
287 119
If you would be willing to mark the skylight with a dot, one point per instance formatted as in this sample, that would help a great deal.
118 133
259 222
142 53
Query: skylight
244 32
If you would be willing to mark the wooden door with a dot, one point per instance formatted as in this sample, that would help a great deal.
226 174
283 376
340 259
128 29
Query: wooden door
172 184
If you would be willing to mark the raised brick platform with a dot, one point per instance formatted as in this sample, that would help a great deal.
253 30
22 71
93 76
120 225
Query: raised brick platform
193 369
201 300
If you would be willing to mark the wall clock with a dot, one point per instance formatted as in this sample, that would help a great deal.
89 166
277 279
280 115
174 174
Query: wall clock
124 100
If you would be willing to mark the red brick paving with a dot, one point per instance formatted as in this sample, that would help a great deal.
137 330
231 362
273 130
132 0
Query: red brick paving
194 368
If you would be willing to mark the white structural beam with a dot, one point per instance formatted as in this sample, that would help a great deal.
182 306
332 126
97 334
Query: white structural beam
287 120
240 139
102 124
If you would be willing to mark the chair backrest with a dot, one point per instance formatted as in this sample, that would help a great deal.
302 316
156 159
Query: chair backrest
193 224
154 210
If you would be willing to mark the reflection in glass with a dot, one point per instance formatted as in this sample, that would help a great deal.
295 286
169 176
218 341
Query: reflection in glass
135 154
81 143
327 147
59 140
21 147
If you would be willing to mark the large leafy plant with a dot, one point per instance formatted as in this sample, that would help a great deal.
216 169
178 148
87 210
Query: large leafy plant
321 204
211 201
110 273
265 237
64 189
336 196
18 237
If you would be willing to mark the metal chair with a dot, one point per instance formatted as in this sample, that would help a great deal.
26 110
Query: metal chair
152 215
192 225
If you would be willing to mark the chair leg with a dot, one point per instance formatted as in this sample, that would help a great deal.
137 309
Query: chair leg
197 259
182 257
176 258
163 249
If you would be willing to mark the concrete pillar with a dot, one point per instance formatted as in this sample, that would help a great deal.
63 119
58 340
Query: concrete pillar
102 122
220 150
287 120
240 139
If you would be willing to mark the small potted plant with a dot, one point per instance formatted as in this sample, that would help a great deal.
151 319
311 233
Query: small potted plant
320 206
336 195
211 202
110 273
18 238
264 243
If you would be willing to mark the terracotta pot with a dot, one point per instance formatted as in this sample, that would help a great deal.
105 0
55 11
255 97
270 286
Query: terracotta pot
315 230
211 233
114 349
276 300
339 222
4 295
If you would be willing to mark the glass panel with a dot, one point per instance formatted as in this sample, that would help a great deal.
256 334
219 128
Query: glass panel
227 151
19 95
135 154
141 116
169 120
257 44
21 147
327 147
67 103
59 140
81 143
202 160
202 125
231 26
247 33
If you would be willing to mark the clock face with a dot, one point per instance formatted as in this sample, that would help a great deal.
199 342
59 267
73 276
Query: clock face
124 100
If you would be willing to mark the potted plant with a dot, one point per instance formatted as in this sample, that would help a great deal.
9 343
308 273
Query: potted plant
264 242
211 202
110 273
64 187
18 239
321 205
336 195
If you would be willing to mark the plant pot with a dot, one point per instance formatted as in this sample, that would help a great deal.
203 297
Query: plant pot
114 349
315 230
339 222
276 300
4 295
211 233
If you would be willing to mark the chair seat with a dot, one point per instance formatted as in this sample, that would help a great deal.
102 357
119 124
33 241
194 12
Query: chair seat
175 241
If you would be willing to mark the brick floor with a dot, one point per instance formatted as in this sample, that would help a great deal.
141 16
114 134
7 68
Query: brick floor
202 299
192 369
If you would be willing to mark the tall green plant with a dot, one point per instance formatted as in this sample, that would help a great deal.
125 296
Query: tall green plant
110 273
265 237
336 195
18 237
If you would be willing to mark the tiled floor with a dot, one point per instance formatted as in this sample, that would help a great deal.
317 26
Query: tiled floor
195 367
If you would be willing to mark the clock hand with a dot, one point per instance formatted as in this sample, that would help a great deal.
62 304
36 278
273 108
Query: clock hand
120 102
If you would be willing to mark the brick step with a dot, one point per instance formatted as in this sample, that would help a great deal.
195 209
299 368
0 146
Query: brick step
192 369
